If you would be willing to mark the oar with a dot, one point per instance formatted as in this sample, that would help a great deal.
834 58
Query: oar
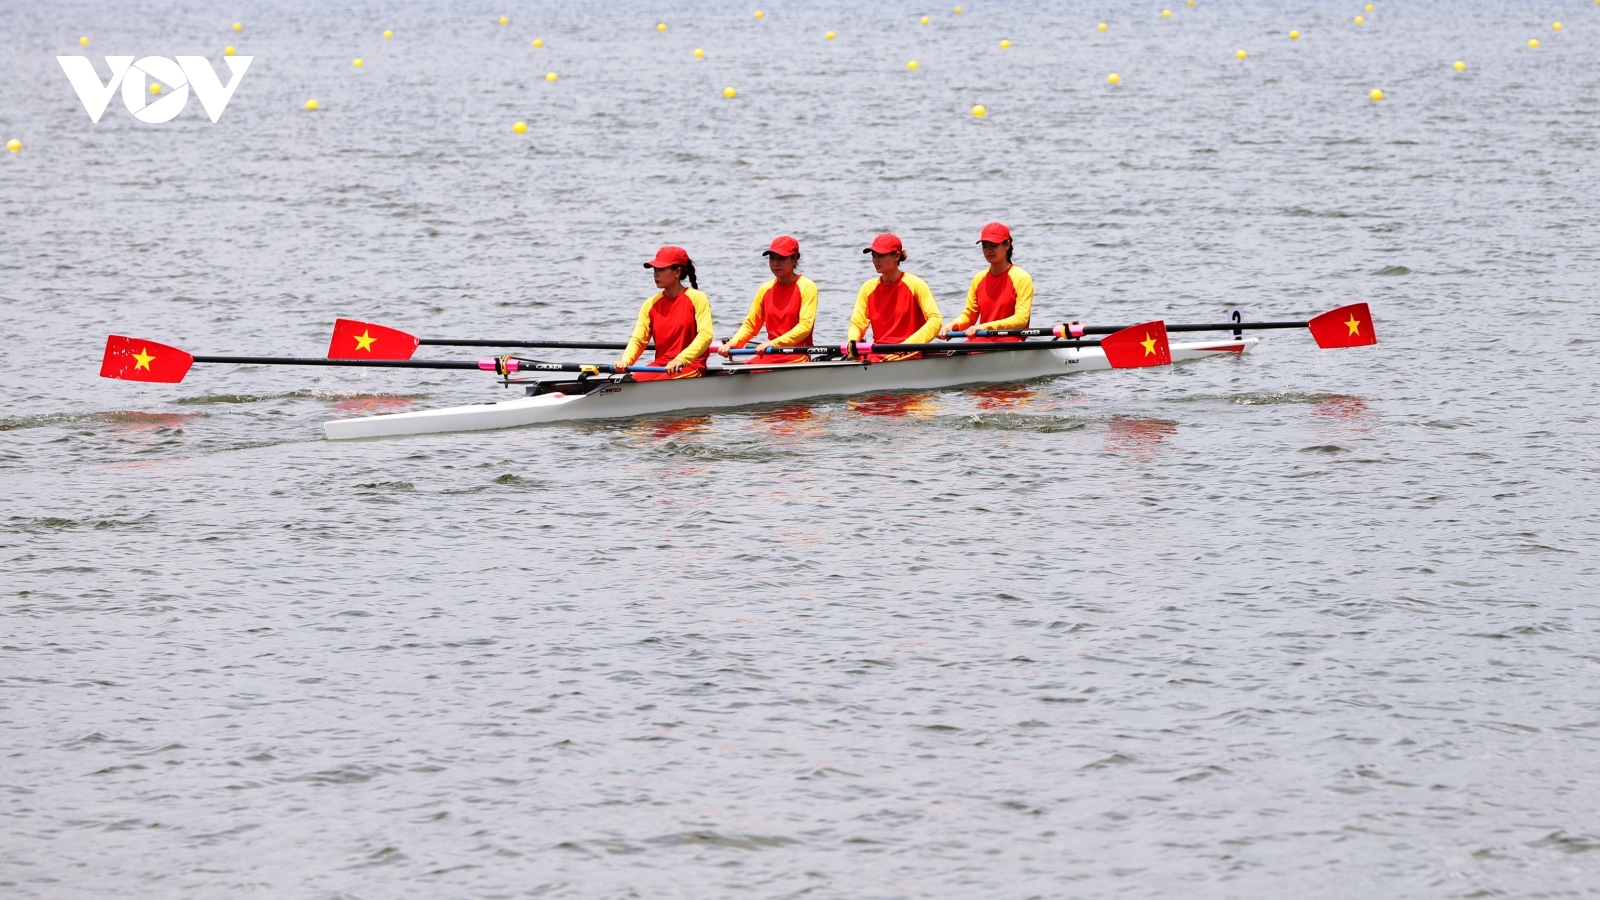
1131 347
135 359
1347 326
366 340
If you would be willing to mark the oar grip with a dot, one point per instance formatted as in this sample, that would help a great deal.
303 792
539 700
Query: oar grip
504 365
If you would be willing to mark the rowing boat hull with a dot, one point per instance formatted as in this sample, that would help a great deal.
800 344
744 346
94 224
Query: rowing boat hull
778 385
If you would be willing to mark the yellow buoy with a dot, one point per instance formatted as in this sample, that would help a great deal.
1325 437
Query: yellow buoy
729 92
1005 45
311 104
661 26
1166 14
358 62
550 76
1460 66
519 127
1113 78
760 14
1556 26
83 41
912 64
155 88
387 34
959 10
238 26
924 20
1360 21
829 35
1533 44
1369 7
1294 35
1191 2
1103 26
980 111
538 42
699 54
1241 54
504 21
1376 94
14 145
227 51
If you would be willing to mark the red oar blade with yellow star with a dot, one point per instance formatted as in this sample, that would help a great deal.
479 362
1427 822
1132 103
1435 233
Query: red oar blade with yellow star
364 340
1347 326
1137 346
136 359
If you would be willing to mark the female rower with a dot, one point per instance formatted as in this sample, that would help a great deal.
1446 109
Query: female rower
896 305
1001 296
678 318
786 305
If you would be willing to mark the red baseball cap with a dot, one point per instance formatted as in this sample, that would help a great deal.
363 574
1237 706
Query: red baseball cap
669 256
884 243
994 233
782 245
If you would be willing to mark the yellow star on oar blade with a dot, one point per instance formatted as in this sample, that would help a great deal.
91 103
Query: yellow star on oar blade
1149 344
141 360
364 340
1354 324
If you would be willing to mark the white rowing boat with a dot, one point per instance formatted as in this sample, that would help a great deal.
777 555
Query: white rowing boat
732 386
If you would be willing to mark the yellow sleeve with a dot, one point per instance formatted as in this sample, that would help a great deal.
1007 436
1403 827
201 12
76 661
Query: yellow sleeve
969 315
858 317
808 316
1022 283
704 330
930 309
756 318
641 333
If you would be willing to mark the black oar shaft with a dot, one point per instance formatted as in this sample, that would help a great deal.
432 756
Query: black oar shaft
550 345
970 347
355 363
1222 326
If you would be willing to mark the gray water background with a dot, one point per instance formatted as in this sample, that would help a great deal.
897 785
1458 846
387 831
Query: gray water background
1298 624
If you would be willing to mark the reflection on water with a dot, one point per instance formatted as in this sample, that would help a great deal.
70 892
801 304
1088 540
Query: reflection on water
998 398
791 421
897 405
678 426
1139 438
361 406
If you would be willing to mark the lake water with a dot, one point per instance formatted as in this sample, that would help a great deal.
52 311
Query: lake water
1302 623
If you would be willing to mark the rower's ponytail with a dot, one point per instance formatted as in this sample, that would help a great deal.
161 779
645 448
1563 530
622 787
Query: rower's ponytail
1011 245
687 271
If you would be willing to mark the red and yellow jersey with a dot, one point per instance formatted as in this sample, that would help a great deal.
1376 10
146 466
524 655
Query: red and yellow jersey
680 326
899 313
789 313
997 302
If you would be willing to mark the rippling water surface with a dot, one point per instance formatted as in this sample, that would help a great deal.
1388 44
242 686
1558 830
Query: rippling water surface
1296 624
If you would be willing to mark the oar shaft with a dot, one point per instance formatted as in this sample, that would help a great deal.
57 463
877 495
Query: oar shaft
349 363
965 347
550 345
1074 329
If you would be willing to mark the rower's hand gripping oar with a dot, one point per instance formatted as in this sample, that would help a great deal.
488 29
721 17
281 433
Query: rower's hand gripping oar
366 340
136 359
1347 326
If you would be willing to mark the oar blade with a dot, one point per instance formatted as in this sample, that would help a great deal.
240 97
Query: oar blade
1347 326
364 340
136 359
1138 346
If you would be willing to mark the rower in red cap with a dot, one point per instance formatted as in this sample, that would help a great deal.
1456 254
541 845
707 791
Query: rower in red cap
678 318
896 305
1000 296
786 305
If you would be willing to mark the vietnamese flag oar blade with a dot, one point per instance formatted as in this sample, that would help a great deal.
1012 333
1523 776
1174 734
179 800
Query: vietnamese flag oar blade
135 359
364 340
1347 326
1137 346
